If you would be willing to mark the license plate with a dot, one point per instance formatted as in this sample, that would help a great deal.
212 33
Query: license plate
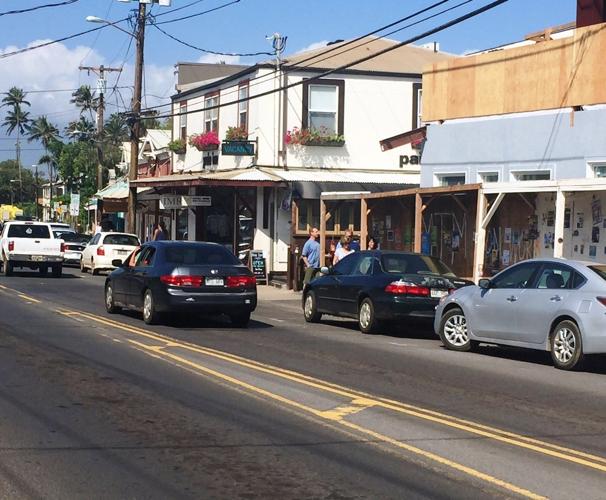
213 281
38 258
121 252
438 294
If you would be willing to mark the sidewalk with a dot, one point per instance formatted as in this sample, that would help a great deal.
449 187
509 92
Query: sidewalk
267 293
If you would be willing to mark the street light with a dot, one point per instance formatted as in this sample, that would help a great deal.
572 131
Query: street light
139 36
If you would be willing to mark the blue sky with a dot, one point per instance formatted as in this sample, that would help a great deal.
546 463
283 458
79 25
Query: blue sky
239 28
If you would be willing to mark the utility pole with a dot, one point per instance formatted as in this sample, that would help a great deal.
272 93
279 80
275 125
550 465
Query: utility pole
36 192
101 88
135 121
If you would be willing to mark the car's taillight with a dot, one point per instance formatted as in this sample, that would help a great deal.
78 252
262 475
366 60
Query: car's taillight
100 251
241 282
401 288
11 246
602 300
169 279
62 247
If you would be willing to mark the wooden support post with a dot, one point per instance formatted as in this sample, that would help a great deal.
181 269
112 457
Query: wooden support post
363 223
480 242
322 231
418 223
558 237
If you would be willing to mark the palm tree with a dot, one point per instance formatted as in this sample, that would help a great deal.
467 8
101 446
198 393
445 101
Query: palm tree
84 98
16 119
82 130
44 131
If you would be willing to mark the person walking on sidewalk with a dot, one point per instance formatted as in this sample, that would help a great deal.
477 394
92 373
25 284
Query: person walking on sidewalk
311 255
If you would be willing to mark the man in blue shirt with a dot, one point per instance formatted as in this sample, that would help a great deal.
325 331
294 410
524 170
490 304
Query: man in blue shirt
353 244
311 255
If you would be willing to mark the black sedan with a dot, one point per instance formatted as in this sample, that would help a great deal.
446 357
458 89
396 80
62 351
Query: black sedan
192 277
375 286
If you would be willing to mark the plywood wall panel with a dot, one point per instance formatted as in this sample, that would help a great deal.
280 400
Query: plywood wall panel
547 75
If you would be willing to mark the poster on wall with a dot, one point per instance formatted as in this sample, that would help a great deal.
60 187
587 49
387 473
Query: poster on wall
596 211
592 250
505 259
515 237
580 220
567 218
550 218
595 234
388 221
507 236
456 240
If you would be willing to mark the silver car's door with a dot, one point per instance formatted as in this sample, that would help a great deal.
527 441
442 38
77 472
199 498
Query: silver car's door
495 310
544 301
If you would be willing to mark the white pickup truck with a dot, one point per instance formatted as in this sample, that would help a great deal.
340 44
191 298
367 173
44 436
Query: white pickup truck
31 245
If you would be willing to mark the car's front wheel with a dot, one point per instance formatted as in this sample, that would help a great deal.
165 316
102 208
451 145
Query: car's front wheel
567 346
454 332
150 315
367 319
310 308
110 306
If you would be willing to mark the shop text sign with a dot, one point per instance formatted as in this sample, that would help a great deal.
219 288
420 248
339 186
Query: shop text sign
173 201
410 163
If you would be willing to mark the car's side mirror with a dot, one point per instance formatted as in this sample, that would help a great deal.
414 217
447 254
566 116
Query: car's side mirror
485 284
117 263
325 270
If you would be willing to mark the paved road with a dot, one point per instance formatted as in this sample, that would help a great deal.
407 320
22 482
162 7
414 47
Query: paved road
97 406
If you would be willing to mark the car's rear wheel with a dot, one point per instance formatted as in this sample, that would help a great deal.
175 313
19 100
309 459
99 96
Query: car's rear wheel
454 332
240 320
310 308
110 306
150 315
7 267
93 271
367 319
82 268
567 346
57 270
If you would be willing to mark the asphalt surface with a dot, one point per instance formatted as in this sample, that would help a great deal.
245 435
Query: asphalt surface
94 405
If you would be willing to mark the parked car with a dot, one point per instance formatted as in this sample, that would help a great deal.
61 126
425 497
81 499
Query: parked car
554 305
376 286
74 245
103 248
196 277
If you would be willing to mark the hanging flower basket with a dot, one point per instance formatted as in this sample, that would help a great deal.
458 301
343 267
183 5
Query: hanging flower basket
208 141
178 146
236 134
313 137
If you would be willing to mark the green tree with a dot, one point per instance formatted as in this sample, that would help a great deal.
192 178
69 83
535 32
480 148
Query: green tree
81 130
17 119
44 131
9 170
84 98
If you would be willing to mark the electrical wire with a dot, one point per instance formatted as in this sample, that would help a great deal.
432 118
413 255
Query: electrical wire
200 13
60 90
265 78
30 9
180 8
207 51
425 34
111 3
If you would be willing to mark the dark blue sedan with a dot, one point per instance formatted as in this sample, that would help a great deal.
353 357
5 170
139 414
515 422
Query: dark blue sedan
376 286
178 276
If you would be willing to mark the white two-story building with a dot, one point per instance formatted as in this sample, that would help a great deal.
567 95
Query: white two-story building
307 124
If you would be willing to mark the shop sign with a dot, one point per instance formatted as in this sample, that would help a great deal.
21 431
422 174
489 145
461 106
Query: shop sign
238 148
171 202
258 265
410 162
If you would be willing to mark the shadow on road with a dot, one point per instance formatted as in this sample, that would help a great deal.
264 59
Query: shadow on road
36 274
412 330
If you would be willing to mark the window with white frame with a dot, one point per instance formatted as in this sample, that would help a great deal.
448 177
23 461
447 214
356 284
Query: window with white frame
487 177
183 121
599 170
243 106
450 179
211 116
532 175
417 105
323 106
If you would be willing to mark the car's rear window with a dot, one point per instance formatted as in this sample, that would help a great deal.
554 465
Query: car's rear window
74 237
414 264
599 270
200 255
121 239
28 231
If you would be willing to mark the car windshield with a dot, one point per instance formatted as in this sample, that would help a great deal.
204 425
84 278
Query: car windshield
121 239
62 233
28 231
599 270
414 264
200 255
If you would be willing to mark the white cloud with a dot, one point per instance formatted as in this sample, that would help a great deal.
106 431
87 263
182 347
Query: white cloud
215 58
313 46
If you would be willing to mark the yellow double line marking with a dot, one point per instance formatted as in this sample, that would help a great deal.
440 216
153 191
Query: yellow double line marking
358 401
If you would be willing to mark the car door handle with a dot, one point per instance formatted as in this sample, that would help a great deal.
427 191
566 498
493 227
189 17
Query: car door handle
513 298
555 298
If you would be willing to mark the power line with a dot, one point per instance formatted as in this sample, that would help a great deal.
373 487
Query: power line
65 2
199 13
425 34
61 90
180 8
265 78
207 51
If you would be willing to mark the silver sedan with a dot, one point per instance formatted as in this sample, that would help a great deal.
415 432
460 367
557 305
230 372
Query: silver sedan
554 305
